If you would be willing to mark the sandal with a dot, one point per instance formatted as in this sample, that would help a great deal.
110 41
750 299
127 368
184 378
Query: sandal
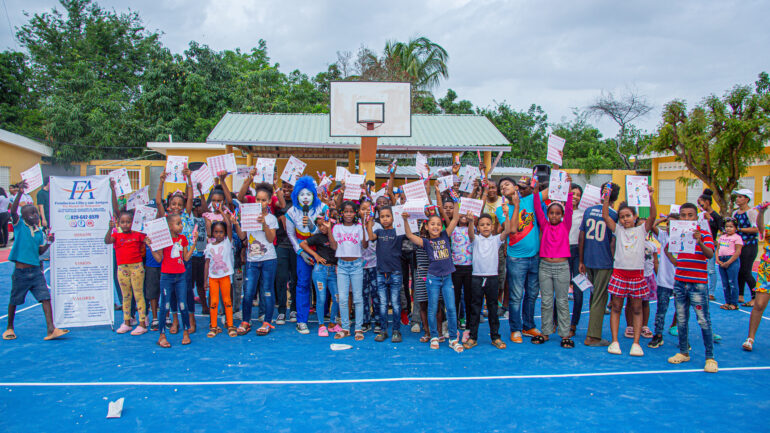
359 335
213 332
244 328
342 334
567 343
231 331
9 334
441 339
425 339
725 307
264 329
629 332
456 346
538 339
434 343
646 333
748 304
162 342
748 345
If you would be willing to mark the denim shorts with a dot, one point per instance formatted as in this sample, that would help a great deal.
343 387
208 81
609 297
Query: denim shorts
28 280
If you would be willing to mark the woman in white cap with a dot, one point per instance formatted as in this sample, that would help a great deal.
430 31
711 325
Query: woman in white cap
747 229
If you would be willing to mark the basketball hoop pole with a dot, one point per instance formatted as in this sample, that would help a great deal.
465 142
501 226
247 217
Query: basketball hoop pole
367 155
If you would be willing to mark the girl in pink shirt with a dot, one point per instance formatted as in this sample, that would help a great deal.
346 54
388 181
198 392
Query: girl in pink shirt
554 266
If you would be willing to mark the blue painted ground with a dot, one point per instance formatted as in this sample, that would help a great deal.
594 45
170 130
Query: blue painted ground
693 401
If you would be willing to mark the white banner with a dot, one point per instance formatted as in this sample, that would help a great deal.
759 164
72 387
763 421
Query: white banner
81 263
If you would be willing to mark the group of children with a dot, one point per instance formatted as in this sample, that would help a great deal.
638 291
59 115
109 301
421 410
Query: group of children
458 262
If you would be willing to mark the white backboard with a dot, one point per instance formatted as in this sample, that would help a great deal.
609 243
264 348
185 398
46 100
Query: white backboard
354 101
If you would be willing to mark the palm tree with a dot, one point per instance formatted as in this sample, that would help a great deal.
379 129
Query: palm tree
419 61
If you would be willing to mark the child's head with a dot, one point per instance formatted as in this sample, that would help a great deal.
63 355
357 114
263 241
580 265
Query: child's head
577 192
363 209
174 224
614 191
386 217
349 210
705 199
125 220
287 189
731 226
383 201
434 225
688 212
448 205
30 215
321 224
491 190
506 186
216 198
626 215
555 213
219 230
485 224
175 203
264 193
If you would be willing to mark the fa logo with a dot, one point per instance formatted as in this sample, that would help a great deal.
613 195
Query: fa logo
80 188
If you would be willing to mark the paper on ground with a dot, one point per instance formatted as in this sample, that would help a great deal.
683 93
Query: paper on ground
337 346
115 408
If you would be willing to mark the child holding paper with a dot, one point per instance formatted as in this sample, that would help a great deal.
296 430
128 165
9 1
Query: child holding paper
29 243
217 272
690 288
324 274
627 280
729 261
369 256
554 272
347 240
172 277
129 252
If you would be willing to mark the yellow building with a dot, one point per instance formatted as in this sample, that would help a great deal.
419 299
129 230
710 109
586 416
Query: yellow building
18 154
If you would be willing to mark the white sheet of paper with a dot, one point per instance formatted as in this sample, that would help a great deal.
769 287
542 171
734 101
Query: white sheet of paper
249 214
680 239
353 187
265 170
325 182
175 164
34 178
138 198
204 177
293 170
582 282
470 205
115 408
558 185
414 224
157 231
415 191
636 191
592 195
445 182
142 214
415 208
471 173
420 161
555 145
398 220
341 174
674 208
122 182
221 163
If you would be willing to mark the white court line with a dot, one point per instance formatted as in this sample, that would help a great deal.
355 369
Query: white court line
23 309
742 311
373 380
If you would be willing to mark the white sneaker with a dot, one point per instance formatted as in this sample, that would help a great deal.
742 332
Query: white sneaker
415 327
636 350
293 317
614 348
302 328
281 319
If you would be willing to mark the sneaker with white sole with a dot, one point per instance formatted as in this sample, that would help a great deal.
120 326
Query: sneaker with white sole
302 328
281 319
636 350
293 317
415 327
614 348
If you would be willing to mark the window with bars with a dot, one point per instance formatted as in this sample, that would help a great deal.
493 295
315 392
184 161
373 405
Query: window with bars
133 176
666 191
5 177
694 191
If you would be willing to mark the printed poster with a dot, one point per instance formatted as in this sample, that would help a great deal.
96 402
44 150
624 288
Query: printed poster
34 178
250 213
220 163
415 191
555 146
470 205
636 191
175 165
592 195
293 170
471 173
265 170
122 182
142 214
558 185
445 182
680 239
157 231
139 197
204 177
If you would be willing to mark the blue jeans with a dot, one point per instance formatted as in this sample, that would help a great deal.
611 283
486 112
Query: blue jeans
189 295
695 294
712 273
260 274
173 284
664 296
389 288
371 301
434 285
350 274
730 280
325 278
524 286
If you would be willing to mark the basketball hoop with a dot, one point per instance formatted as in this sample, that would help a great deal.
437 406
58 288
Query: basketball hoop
370 109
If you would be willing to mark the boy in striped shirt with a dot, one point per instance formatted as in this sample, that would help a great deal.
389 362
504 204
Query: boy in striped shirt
691 288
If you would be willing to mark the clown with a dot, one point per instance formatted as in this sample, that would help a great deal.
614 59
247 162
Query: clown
300 225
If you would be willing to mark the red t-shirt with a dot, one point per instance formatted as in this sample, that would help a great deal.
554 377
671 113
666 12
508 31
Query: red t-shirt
128 247
174 265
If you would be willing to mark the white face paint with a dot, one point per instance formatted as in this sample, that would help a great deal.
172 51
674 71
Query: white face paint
305 197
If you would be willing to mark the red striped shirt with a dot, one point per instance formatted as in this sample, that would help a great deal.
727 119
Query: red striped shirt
692 267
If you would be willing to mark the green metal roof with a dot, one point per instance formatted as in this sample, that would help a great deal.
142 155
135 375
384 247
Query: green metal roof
432 132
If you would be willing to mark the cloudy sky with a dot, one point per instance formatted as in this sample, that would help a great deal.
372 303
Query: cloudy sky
559 54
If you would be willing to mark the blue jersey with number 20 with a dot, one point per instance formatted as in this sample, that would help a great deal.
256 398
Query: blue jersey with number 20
597 252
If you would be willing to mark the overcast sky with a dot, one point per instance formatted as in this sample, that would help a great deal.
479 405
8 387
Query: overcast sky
558 54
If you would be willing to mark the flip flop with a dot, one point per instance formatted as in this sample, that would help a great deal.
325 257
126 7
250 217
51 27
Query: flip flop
9 334
600 343
56 334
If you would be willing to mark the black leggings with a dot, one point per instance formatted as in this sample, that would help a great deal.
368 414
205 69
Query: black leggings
748 254
483 287
461 280
407 267
4 217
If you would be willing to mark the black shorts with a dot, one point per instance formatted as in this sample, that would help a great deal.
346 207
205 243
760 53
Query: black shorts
151 282
28 280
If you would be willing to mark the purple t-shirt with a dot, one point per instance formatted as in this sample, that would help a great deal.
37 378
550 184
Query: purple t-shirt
439 251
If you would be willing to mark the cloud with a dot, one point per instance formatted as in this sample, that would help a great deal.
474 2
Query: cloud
558 54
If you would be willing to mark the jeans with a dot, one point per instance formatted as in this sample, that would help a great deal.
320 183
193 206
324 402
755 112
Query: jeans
483 287
188 294
325 278
389 288
554 285
371 298
304 277
350 274
730 280
173 284
664 296
286 278
523 285
712 274
577 294
695 294
260 274
435 285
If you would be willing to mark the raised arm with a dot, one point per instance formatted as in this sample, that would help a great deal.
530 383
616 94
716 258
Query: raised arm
507 225
246 184
108 237
225 189
606 211
539 215
408 231
370 231
16 201
455 219
189 191
159 198
115 208
650 222
332 240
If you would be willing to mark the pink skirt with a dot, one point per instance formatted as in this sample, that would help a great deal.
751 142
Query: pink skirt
628 284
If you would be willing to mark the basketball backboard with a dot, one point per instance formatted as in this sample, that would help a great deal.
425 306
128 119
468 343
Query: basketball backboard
370 109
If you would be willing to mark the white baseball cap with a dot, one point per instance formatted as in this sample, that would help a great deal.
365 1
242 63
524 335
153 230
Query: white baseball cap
746 192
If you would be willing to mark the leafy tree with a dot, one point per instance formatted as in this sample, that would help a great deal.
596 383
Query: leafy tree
526 130
18 105
449 106
719 138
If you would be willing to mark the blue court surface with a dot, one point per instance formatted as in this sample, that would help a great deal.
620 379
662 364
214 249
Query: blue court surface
291 382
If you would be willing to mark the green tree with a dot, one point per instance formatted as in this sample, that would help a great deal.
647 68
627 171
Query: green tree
449 106
18 104
526 130
719 138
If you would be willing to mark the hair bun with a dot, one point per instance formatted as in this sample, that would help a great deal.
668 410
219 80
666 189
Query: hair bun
708 192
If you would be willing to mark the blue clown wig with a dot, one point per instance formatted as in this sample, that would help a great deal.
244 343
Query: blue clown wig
305 182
